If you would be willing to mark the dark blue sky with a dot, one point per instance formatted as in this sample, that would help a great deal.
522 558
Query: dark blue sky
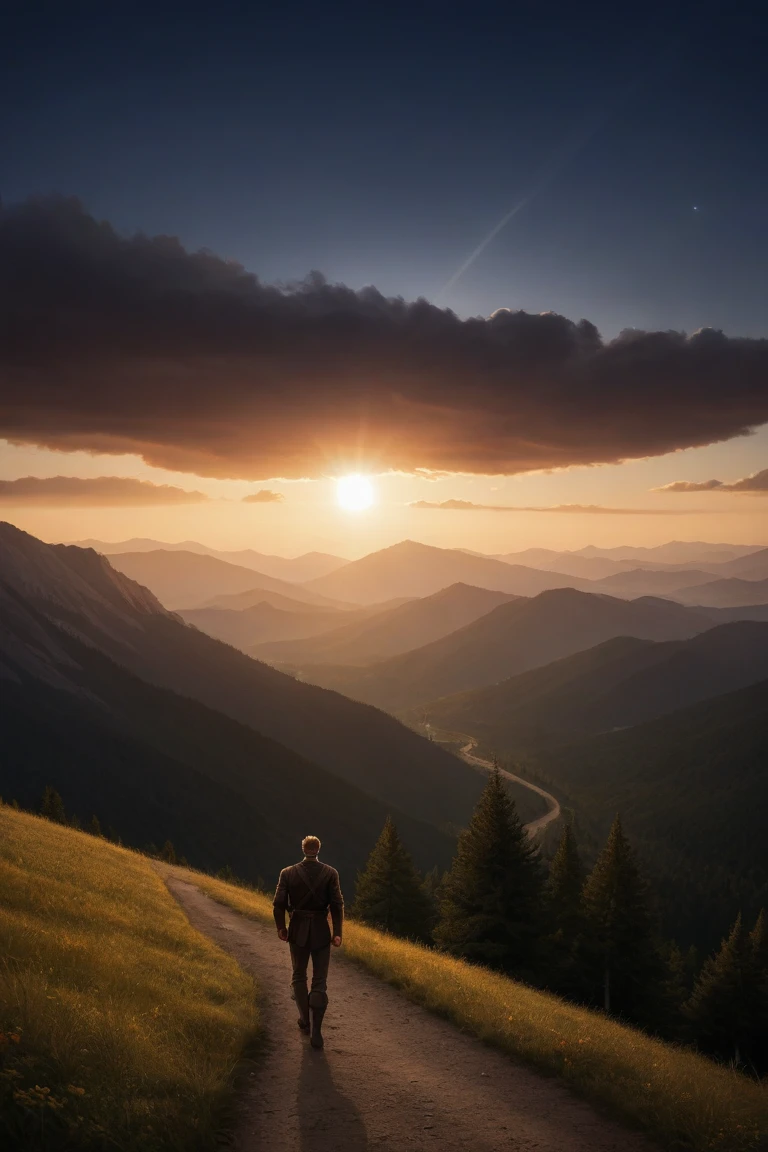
381 143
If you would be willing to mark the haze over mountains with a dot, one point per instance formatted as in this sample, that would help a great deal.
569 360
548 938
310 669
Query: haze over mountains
412 569
729 593
512 638
399 629
616 684
306 567
263 622
188 579
196 577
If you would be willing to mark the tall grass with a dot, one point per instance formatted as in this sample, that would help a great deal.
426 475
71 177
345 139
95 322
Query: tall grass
681 1099
119 1024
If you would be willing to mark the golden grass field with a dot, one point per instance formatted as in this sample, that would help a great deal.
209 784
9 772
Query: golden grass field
120 1025
682 1100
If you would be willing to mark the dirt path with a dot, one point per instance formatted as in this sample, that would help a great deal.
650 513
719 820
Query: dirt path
391 1076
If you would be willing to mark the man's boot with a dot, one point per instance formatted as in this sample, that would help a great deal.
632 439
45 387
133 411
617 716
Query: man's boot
318 1002
301 996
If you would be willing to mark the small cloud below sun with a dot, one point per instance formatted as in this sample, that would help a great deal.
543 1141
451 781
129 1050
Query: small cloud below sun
354 493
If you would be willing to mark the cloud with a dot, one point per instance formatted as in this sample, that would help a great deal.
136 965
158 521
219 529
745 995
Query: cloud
597 509
263 496
98 492
756 483
114 344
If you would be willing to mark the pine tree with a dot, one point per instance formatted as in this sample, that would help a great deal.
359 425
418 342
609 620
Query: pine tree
759 942
565 909
389 892
564 887
621 961
168 853
721 1009
490 905
94 826
675 990
52 806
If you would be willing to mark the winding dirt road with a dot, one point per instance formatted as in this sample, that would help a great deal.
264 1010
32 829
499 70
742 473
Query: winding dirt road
391 1076
534 826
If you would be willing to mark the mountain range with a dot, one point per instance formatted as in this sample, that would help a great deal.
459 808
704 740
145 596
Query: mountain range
293 569
616 684
413 569
188 579
512 638
245 628
399 629
726 593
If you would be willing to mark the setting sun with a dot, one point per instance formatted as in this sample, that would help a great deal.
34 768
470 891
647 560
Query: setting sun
354 493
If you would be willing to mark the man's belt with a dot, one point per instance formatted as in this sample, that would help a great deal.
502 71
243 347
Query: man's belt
308 911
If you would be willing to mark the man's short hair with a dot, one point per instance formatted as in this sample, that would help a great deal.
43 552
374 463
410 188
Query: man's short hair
310 845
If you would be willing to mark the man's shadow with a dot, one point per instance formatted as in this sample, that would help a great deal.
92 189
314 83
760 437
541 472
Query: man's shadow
328 1120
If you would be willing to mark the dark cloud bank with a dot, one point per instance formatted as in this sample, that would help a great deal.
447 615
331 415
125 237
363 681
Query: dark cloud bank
95 492
134 345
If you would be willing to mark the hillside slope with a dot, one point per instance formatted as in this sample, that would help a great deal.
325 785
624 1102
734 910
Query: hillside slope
120 1023
510 639
411 625
361 745
613 685
154 765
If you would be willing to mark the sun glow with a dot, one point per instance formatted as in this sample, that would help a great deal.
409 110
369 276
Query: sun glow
354 493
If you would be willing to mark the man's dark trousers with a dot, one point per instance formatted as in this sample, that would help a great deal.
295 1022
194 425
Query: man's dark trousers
320 960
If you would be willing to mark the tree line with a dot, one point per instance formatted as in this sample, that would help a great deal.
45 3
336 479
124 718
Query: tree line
591 938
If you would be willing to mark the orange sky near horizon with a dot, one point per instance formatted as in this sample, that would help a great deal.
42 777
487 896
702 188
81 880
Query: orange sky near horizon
308 517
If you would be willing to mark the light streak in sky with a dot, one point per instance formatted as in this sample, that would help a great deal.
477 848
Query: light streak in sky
559 160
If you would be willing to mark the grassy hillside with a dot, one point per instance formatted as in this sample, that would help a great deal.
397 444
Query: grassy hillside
682 1100
119 1024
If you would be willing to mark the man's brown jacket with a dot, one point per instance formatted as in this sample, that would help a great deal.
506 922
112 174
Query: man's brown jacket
307 891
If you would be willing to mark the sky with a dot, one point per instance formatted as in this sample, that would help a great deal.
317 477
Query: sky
598 162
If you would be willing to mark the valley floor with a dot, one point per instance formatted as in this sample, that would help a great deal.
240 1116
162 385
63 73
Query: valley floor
391 1075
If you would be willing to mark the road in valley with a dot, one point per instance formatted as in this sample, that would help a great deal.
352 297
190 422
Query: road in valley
466 753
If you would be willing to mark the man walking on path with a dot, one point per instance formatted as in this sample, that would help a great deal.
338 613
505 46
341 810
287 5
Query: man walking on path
307 891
